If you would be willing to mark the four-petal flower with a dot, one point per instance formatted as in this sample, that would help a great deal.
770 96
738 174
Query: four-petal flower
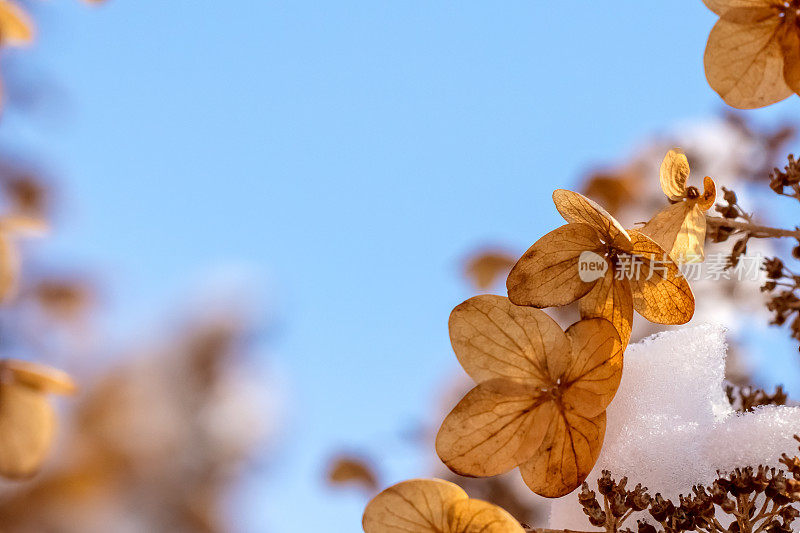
540 398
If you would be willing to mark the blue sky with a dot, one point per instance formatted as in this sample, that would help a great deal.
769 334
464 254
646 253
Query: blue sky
346 155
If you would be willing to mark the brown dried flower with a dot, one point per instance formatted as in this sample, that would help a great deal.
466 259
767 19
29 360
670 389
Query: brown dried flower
628 270
541 395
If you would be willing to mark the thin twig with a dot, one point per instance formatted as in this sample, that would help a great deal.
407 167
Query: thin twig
754 230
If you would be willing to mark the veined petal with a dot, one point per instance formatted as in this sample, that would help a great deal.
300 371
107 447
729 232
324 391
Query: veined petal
496 426
744 63
673 174
660 292
566 456
477 516
414 506
720 7
494 338
611 299
668 227
790 44
577 209
547 274
593 378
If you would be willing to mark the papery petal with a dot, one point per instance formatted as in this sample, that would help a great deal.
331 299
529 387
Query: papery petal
669 229
566 456
494 338
744 63
611 299
790 45
9 267
477 516
577 209
673 174
27 424
16 27
547 274
660 292
721 7
42 378
596 370
414 506
709 194
496 426
689 244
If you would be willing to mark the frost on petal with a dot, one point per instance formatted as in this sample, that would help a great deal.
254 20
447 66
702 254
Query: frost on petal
744 63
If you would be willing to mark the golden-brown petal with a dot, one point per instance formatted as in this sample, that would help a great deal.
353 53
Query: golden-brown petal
577 209
744 63
354 470
9 267
27 425
414 506
709 194
566 456
790 44
495 427
610 299
477 516
720 6
42 378
680 230
16 27
547 274
494 338
689 244
23 226
486 267
660 292
593 378
673 174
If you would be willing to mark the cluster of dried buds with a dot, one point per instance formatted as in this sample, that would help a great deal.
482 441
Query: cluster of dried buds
749 500
748 398
784 300
788 178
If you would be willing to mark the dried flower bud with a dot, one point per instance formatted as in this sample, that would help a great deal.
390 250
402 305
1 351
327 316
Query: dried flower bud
774 268
644 527
605 484
660 509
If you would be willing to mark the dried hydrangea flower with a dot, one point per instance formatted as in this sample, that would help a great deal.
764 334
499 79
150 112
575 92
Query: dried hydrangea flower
752 57
610 270
434 506
540 398
27 421
680 228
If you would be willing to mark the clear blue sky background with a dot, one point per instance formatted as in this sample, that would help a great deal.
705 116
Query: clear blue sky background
348 154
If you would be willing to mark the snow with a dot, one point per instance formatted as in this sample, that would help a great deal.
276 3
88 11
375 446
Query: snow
670 425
